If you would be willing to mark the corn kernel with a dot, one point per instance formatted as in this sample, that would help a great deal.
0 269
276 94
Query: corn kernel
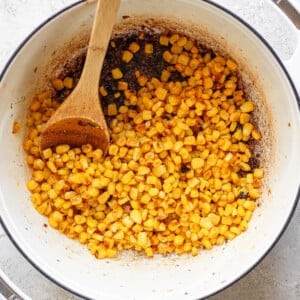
127 56
116 73
148 48
134 47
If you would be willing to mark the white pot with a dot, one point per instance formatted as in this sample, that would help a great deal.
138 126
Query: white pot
176 277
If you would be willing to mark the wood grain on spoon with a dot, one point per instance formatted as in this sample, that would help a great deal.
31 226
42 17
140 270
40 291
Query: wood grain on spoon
80 119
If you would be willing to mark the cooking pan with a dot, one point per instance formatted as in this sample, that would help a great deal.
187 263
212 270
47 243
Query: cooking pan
267 82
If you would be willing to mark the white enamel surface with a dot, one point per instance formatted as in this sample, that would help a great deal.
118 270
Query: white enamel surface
292 64
166 278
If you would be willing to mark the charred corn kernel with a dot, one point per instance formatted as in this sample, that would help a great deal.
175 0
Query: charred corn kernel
116 73
112 109
148 48
247 107
134 47
58 84
68 82
127 56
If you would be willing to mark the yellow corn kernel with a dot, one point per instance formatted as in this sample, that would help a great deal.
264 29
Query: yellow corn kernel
61 149
146 115
16 127
113 149
164 40
183 59
159 171
127 56
134 47
178 240
247 107
68 82
206 243
167 56
258 173
142 239
112 109
254 193
142 170
247 129
256 134
58 84
208 83
136 216
231 64
161 93
103 91
197 163
116 73
148 48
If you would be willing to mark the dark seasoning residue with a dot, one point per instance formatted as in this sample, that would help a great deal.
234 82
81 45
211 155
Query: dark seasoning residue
150 65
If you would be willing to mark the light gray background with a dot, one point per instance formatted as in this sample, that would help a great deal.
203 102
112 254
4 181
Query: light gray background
278 275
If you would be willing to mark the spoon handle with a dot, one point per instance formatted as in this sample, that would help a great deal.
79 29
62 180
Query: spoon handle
100 36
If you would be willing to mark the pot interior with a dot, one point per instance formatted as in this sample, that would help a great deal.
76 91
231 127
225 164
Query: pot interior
173 277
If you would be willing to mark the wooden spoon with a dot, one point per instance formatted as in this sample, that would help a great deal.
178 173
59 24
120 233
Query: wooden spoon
80 120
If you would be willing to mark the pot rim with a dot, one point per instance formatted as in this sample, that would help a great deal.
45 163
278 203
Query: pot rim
272 52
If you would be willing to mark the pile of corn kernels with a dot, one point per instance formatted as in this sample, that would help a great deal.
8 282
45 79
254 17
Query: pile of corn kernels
176 177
